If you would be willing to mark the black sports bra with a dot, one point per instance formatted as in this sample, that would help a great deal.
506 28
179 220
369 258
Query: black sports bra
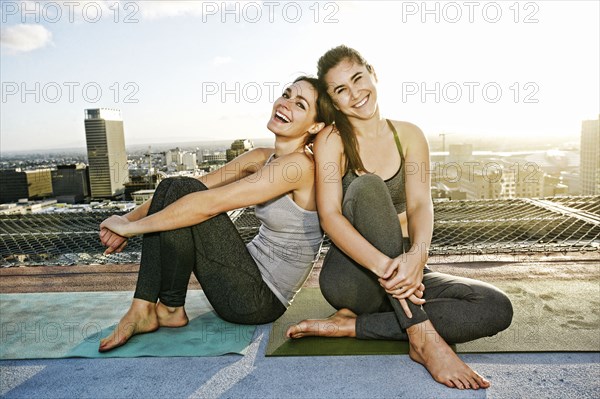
395 184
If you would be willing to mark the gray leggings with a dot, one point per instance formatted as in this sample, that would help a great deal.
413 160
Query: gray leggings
460 309
217 255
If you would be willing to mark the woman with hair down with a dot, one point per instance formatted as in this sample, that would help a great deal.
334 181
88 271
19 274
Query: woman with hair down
186 228
374 201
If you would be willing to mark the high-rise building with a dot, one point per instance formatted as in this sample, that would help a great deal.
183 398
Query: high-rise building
238 147
189 160
106 152
174 156
529 178
589 169
202 154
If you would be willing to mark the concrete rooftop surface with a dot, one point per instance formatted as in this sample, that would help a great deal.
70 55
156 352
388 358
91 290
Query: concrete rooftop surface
513 375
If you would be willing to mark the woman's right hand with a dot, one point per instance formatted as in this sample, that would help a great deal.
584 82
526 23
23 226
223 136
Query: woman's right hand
114 242
416 298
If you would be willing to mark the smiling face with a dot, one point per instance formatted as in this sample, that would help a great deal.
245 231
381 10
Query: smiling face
295 111
352 88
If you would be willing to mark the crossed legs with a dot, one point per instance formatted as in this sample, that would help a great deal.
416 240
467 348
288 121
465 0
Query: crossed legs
456 309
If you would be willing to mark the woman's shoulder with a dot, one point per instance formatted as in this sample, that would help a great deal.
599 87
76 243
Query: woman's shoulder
406 127
302 160
329 136
408 133
263 152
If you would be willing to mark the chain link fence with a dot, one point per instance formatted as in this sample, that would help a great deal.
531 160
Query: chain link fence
560 224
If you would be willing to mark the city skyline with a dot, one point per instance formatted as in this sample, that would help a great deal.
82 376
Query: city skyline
516 70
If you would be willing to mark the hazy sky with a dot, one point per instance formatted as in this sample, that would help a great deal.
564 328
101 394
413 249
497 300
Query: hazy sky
191 70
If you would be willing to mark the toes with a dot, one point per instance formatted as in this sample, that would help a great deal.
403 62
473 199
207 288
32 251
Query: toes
449 384
106 341
482 382
473 383
294 331
104 345
466 383
458 384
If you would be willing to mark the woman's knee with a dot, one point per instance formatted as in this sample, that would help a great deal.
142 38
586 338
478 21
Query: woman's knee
499 307
367 187
504 310
368 200
181 183
175 187
171 189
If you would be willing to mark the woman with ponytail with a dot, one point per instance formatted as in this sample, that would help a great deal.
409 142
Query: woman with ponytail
374 202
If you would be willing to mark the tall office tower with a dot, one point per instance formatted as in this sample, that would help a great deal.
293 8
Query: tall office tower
106 152
589 169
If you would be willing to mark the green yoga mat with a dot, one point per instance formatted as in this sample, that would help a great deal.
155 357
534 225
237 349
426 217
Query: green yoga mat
549 316
58 325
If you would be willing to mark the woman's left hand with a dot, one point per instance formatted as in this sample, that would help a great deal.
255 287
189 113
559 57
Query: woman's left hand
119 225
417 294
403 276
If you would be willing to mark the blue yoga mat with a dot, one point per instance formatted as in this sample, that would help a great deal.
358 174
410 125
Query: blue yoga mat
59 325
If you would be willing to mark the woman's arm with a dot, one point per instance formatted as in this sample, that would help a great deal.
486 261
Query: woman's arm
419 212
329 160
234 170
269 182
238 168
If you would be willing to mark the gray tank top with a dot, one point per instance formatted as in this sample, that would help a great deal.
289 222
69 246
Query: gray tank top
286 245
395 184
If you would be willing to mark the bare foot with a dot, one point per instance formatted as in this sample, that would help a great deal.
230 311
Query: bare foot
140 318
171 316
430 350
340 324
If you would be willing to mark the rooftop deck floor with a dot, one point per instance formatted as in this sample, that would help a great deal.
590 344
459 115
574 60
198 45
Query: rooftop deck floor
519 375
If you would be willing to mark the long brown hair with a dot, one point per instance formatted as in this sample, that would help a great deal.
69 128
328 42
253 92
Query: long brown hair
324 106
329 60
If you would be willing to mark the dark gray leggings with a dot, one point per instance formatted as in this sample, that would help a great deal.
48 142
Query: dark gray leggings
460 309
216 254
